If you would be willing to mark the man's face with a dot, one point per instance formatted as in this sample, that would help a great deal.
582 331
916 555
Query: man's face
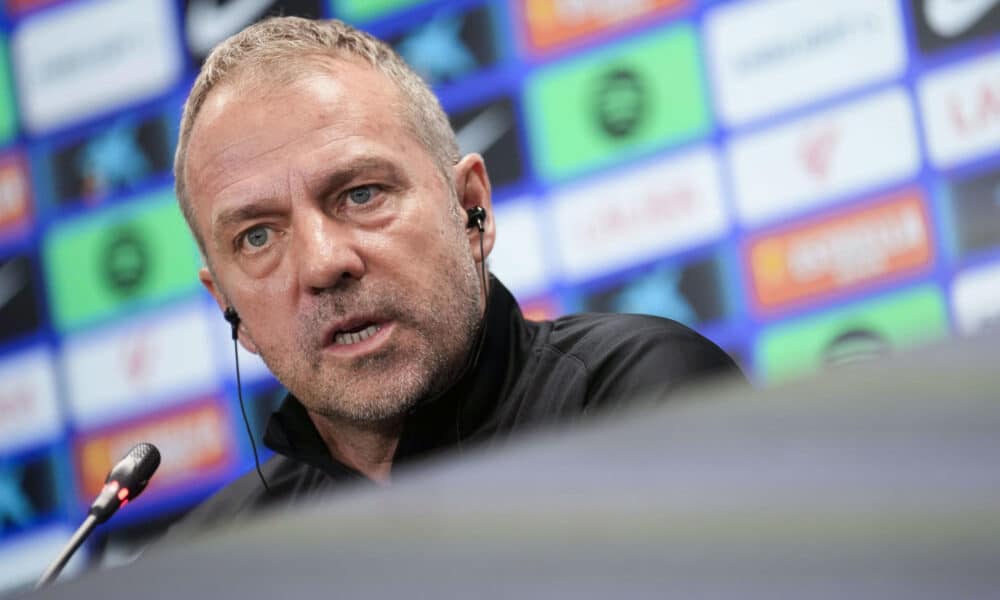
328 227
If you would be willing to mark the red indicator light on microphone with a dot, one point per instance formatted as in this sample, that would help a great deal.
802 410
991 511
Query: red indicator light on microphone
123 494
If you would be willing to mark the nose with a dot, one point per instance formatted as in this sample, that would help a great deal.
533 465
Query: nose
326 251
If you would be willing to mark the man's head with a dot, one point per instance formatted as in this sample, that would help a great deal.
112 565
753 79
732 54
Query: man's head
323 184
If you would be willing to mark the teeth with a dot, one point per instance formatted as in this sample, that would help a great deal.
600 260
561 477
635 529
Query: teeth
354 338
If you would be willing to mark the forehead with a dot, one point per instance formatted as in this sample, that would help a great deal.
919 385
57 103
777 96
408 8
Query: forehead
340 105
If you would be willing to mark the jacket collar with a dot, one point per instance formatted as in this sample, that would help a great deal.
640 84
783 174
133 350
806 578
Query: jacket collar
464 411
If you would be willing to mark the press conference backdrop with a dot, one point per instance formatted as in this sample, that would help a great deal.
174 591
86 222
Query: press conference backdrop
804 182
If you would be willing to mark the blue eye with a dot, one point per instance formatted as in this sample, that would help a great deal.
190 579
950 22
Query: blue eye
360 195
257 236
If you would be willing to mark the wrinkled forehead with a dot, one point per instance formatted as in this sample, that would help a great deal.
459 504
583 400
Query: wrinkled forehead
334 98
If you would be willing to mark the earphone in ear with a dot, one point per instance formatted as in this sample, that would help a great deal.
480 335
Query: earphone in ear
477 217
233 318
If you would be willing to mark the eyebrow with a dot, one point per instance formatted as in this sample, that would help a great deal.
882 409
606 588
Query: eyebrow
245 212
350 170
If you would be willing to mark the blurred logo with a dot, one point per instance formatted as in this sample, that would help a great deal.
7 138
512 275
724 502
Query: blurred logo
29 409
974 203
551 24
129 53
17 6
114 159
127 254
855 346
879 240
976 300
817 150
195 442
944 23
961 106
209 22
15 193
690 293
639 214
19 303
15 509
819 158
858 331
27 493
436 52
642 94
821 49
490 129
147 362
125 260
450 45
620 102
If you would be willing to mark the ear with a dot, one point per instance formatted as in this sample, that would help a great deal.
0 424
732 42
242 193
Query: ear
472 185
208 281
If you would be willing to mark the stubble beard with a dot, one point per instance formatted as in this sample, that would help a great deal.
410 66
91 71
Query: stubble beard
382 386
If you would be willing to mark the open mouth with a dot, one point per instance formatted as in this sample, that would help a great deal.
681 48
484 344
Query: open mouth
356 335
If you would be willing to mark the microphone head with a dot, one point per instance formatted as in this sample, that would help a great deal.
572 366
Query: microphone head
135 469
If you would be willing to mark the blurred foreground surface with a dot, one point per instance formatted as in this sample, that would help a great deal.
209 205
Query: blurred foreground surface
879 481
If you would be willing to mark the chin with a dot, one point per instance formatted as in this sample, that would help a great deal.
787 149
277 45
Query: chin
375 401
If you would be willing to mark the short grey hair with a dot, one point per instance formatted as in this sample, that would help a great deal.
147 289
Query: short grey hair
296 44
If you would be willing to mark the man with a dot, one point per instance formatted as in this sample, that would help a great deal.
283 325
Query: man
324 186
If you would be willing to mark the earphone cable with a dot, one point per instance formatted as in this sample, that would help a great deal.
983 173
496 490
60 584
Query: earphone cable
246 421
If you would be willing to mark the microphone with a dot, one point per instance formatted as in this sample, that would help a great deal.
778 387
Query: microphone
125 482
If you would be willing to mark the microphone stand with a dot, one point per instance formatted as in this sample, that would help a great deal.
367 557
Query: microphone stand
71 547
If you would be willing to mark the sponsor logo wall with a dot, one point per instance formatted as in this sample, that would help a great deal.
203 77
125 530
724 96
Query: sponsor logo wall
808 183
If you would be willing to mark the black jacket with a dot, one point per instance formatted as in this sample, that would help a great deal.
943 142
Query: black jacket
527 374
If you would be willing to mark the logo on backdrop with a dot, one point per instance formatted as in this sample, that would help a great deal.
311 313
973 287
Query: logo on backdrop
27 494
599 108
854 346
144 363
819 158
19 303
195 441
620 101
208 22
817 150
16 6
129 53
125 260
491 130
113 159
961 106
975 207
15 193
853 332
820 49
450 45
551 24
660 207
29 409
974 298
945 23
690 293
135 251
878 240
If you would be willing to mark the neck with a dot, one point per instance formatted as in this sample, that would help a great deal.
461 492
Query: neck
366 447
